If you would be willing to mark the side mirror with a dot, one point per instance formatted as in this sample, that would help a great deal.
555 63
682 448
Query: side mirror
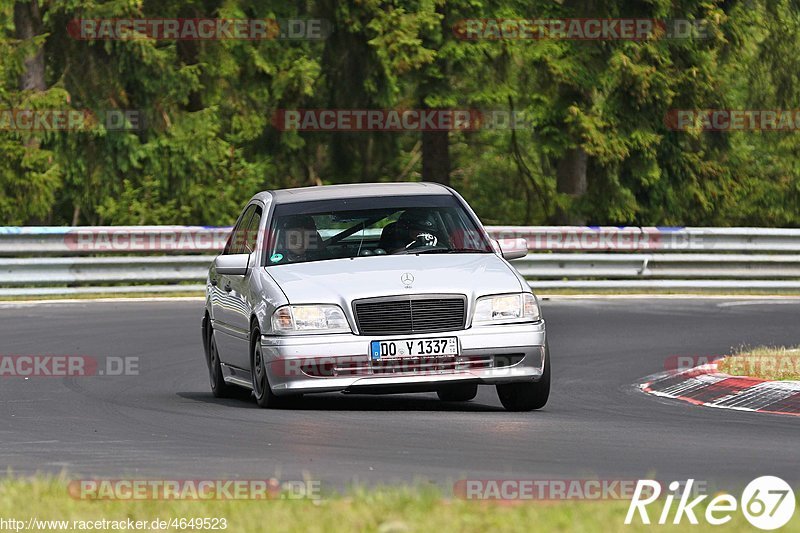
513 248
232 265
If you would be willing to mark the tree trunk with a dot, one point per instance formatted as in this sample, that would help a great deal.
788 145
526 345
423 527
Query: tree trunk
571 180
27 25
188 51
436 157
436 82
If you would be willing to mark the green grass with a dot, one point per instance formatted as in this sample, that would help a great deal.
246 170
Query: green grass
764 362
386 510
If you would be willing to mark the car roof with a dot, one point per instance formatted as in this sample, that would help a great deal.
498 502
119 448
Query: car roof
353 190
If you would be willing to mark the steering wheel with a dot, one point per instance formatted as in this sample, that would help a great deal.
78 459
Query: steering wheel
423 240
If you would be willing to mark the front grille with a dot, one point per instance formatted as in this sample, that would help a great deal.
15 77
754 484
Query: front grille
405 315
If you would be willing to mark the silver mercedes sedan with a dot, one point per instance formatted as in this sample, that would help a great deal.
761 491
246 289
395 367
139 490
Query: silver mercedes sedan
371 289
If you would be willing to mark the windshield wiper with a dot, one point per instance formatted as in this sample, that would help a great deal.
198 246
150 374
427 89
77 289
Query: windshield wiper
448 251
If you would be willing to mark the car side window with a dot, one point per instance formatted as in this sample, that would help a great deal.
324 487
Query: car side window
251 234
236 243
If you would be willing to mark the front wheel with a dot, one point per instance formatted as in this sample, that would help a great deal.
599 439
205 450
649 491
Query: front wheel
261 387
527 396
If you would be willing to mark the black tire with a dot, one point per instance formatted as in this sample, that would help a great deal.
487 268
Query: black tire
262 390
219 388
462 392
527 396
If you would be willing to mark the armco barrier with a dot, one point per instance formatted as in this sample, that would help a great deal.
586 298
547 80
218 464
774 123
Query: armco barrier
74 260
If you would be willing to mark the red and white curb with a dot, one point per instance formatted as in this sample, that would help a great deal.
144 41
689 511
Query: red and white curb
704 385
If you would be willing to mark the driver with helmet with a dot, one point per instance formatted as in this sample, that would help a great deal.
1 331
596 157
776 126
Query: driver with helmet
414 228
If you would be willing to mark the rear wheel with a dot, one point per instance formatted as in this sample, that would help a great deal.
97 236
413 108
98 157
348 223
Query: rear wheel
261 387
462 392
219 388
527 396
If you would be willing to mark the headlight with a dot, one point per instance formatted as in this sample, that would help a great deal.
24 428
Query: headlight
310 318
506 308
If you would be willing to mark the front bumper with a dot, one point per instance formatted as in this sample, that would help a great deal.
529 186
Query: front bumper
298 364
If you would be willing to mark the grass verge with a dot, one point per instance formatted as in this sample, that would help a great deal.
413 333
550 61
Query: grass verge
764 362
385 510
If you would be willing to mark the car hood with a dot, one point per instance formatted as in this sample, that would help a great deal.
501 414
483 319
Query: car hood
343 280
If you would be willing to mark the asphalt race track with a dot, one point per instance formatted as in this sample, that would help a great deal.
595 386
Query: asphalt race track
164 423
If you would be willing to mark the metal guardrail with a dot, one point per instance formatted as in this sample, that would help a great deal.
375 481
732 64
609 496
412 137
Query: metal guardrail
64 260
659 266
41 240
663 239
83 240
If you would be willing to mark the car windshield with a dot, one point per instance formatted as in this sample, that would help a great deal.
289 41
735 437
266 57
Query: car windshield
366 227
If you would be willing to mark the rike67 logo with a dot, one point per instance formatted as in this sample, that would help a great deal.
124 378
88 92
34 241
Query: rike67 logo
767 503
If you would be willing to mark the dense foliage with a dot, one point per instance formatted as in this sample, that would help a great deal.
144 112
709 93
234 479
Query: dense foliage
596 148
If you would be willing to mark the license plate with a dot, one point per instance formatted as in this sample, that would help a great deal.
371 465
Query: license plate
413 348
